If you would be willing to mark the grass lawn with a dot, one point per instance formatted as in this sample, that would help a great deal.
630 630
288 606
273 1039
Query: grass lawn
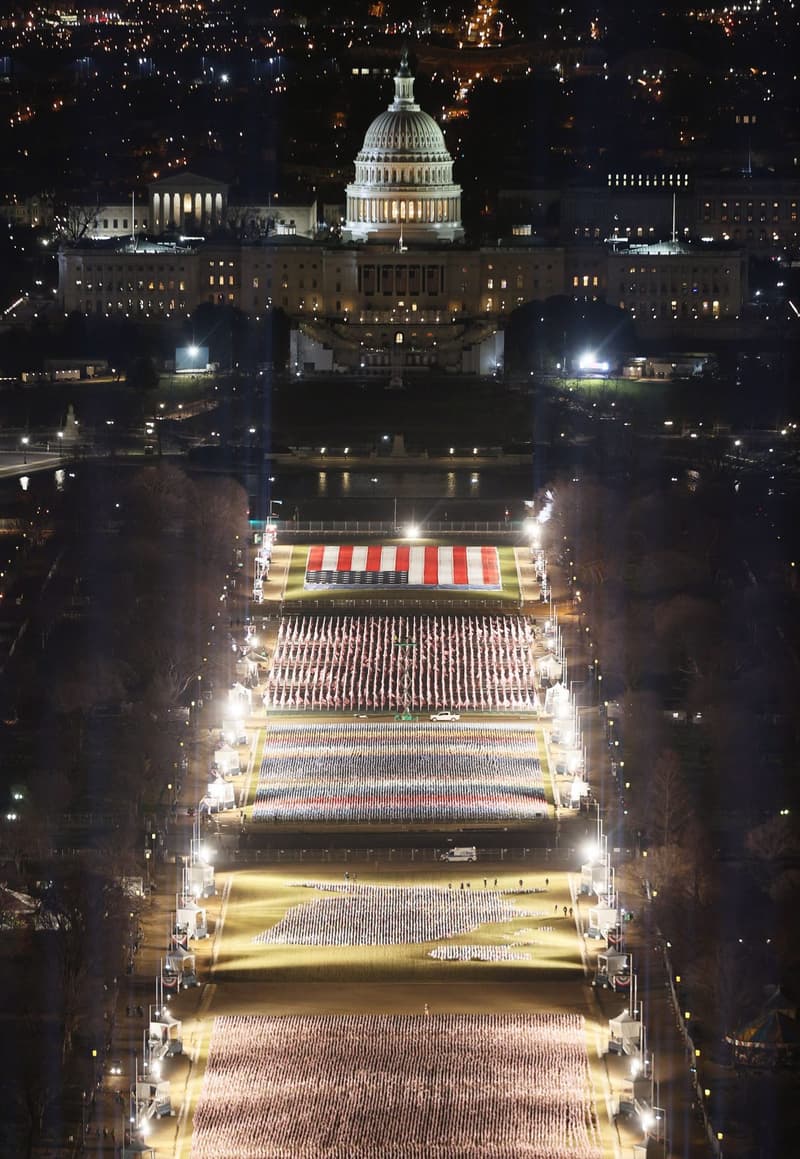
430 600
260 897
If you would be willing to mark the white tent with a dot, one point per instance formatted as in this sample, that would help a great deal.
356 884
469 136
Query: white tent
198 880
192 918
164 1036
594 877
221 794
227 760
601 919
153 1099
625 1029
578 790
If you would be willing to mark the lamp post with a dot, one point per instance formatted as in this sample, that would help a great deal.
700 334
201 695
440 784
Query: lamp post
25 440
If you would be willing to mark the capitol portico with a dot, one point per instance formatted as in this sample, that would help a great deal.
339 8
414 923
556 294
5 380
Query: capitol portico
189 203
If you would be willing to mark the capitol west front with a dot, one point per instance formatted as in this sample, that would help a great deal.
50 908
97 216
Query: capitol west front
399 293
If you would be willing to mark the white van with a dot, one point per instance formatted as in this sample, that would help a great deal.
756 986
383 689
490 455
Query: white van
461 853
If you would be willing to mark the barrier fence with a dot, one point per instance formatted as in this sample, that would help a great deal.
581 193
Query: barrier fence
515 529
563 859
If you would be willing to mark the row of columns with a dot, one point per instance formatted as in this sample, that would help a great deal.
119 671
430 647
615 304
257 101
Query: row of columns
206 210
430 210
376 175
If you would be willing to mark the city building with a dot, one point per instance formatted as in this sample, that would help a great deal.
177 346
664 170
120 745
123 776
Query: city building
674 282
399 291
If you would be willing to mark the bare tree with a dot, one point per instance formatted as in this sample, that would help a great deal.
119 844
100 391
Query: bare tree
774 841
663 867
726 981
670 803
72 908
72 221
220 513
244 223
34 1088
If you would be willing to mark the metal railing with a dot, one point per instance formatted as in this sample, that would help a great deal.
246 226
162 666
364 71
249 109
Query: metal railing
512 528
566 858
386 603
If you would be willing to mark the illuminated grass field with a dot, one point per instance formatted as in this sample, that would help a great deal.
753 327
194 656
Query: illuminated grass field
439 1086
295 924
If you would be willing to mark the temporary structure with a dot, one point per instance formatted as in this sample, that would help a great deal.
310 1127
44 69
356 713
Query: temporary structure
625 1032
770 1039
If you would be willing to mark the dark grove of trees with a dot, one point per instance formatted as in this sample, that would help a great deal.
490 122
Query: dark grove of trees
125 631
540 335
235 340
703 658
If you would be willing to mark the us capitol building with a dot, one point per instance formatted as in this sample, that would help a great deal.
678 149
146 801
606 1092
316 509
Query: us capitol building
400 291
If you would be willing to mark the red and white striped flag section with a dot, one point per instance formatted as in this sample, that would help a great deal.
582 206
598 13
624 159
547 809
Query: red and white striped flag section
418 566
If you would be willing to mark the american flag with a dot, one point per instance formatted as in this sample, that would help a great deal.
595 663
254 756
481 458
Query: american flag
461 568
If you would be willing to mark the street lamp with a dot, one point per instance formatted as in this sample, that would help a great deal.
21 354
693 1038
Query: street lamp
25 440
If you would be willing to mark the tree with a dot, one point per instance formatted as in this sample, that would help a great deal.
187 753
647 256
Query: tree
725 982
773 842
141 374
72 221
34 1088
670 806
243 222
73 908
540 334
220 516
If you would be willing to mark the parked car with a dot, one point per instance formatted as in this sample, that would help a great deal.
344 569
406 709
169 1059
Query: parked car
438 716
460 853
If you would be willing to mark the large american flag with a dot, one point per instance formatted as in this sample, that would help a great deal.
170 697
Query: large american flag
463 568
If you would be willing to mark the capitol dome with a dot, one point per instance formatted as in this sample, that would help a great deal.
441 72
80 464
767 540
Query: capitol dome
404 176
